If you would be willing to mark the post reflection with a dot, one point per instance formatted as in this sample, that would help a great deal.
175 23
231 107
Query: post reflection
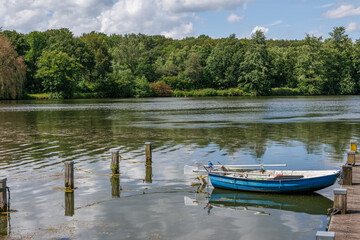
5 225
115 186
69 204
148 172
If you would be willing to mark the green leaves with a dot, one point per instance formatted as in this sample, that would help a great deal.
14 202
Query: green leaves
57 71
127 65
12 71
255 75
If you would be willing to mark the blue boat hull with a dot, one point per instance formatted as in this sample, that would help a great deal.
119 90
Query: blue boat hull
289 185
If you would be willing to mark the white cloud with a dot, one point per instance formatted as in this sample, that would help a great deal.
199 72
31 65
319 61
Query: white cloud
353 27
232 18
315 33
325 5
181 31
171 17
343 11
260 28
203 5
276 23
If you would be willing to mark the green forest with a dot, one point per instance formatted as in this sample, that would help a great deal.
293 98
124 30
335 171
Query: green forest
56 64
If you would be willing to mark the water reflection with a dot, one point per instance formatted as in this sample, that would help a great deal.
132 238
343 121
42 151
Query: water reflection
69 204
37 137
115 186
4 225
148 172
30 133
314 204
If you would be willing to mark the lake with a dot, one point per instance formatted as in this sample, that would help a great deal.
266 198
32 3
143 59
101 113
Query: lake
159 202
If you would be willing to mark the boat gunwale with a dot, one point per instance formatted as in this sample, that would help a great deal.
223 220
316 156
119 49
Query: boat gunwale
337 172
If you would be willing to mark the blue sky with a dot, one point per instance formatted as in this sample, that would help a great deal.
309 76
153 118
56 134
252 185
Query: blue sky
282 19
279 19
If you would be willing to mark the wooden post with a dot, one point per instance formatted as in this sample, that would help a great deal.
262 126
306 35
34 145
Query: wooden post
3 195
353 145
346 175
115 186
148 152
69 176
115 161
69 204
340 199
321 235
350 158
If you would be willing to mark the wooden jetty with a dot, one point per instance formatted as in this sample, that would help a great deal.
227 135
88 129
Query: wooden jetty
346 226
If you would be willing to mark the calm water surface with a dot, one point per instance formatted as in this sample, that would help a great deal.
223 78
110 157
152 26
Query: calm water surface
36 137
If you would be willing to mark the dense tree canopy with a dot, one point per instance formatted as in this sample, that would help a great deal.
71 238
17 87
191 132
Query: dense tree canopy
57 72
137 65
12 71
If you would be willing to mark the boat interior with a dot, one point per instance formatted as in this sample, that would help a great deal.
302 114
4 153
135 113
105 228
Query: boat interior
272 174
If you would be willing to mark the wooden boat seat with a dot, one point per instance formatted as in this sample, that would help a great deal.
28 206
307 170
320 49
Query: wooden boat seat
286 177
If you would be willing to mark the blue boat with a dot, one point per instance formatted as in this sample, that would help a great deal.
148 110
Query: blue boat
273 180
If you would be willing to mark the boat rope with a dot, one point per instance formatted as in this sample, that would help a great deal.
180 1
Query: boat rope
340 180
8 205
146 164
9 211
167 190
5 188
102 174
66 190
331 212
140 179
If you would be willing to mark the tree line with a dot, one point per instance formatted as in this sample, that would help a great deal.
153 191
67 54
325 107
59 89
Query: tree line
136 65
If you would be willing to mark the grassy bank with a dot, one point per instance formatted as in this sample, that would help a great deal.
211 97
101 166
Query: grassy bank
208 92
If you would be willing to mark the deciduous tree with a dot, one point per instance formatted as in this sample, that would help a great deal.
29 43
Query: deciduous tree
12 71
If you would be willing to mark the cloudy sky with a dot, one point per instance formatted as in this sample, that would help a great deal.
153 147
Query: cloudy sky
279 19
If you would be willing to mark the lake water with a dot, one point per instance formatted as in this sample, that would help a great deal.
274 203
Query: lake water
36 137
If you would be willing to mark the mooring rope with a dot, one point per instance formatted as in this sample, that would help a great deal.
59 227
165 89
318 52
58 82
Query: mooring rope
66 190
146 164
102 174
8 205
140 179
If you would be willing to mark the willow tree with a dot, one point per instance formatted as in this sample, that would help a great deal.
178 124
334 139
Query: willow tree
12 71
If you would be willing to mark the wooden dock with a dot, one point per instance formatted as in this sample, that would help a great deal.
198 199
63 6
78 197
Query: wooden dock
346 226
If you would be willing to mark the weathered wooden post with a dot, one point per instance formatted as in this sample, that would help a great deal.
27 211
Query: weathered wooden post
69 176
340 199
346 175
350 158
148 162
148 152
115 186
353 145
321 235
115 161
3 195
69 204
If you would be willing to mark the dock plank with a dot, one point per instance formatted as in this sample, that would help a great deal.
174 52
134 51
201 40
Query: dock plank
346 226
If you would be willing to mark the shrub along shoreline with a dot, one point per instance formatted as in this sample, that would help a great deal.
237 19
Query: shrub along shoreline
208 92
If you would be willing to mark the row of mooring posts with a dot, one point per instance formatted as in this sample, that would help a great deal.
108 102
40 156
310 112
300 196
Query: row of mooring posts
114 166
340 194
114 180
